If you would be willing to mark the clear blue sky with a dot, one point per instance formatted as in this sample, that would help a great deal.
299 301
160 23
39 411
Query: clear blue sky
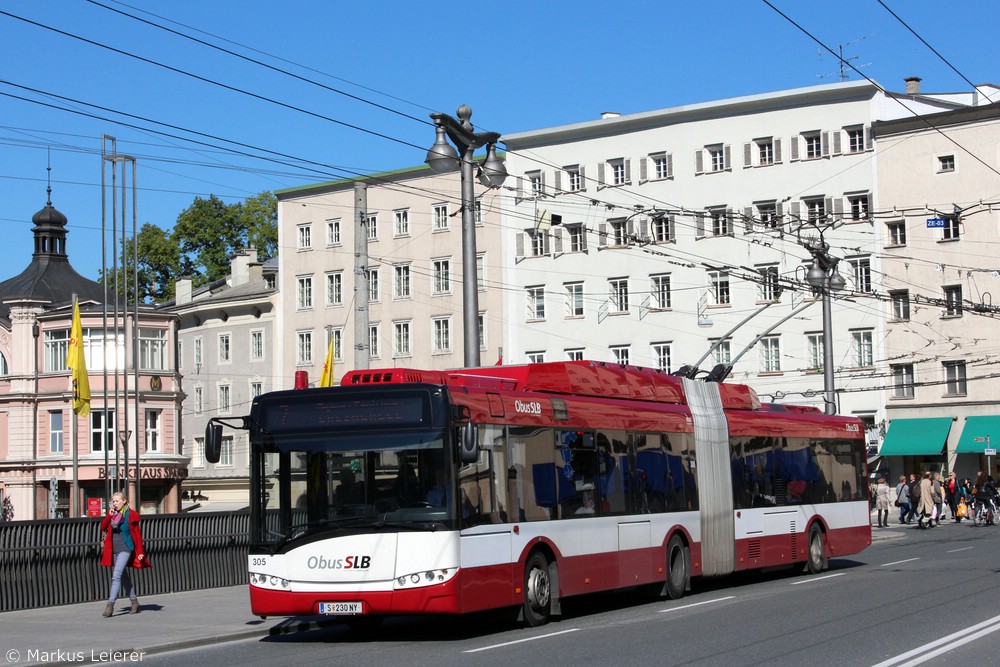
520 66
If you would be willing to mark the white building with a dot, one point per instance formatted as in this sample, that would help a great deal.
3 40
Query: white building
645 238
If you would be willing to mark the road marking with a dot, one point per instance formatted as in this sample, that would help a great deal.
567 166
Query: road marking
940 646
957 550
697 604
897 562
519 641
812 579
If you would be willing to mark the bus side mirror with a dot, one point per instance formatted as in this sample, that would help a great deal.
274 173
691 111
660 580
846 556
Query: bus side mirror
213 442
468 446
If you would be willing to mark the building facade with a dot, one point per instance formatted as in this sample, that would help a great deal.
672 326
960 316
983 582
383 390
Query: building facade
54 462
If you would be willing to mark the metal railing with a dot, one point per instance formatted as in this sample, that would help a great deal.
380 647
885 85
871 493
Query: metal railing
58 561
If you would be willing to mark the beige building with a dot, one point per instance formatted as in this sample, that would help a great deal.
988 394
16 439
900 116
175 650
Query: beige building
406 310
938 194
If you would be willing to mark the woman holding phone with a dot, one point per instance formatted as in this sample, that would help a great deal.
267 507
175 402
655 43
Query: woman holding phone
122 549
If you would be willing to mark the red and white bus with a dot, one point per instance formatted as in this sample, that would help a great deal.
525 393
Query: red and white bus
445 492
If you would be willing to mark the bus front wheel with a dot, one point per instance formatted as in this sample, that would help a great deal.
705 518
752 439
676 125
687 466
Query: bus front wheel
537 590
677 568
815 554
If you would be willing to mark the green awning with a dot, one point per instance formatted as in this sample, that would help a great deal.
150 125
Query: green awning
979 428
916 437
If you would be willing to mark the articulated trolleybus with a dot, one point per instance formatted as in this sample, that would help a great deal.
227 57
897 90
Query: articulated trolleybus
445 492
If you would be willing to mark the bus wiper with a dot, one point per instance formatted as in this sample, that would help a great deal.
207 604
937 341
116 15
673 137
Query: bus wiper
302 529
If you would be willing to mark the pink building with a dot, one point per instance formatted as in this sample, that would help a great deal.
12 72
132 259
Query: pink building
53 462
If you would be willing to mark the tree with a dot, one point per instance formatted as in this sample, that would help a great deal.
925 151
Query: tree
259 216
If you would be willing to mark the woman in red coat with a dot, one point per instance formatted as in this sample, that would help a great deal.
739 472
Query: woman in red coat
122 548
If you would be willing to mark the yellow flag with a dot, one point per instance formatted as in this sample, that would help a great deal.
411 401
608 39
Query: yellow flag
76 362
326 379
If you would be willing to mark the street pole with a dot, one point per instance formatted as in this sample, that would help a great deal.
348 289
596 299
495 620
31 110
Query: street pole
824 278
442 158
828 388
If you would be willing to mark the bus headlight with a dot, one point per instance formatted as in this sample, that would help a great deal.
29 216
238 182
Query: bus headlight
425 578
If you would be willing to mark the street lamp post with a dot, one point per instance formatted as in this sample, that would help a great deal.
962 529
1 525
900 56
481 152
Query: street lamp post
442 158
825 279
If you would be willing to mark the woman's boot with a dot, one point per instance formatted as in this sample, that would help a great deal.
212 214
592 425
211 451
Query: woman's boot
108 610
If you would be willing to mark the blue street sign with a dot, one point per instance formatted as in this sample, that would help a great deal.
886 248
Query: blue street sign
935 222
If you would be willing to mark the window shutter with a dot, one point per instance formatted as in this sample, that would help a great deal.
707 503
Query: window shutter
558 180
779 210
699 225
726 158
541 181
628 171
871 204
828 205
868 138
777 150
824 143
546 243
519 245
795 212
600 175
748 219
643 230
838 207
836 142
699 162
643 176
795 149
602 235
670 165
672 231
747 155
583 179
630 230
730 222
557 238
583 238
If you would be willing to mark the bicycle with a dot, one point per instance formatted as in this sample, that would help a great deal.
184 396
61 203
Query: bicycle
983 513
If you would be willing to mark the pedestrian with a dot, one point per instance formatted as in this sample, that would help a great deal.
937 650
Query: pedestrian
914 489
122 549
937 491
903 498
951 494
882 502
964 494
926 508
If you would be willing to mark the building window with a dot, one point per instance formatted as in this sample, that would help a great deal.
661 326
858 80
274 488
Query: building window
374 341
256 345
180 359
152 430
619 233
199 400
152 349
661 356
338 343
55 432
716 158
862 347
333 232
815 209
536 183
954 372
480 272
303 348
897 233
953 300
619 171
659 291
661 166
374 286
618 295
304 292
574 179
722 352
226 452
769 289
401 222
862 273
401 339
765 151
767 216
574 299
718 282
770 354
720 222
902 380
535 357
814 147
335 288
620 354
102 430
225 348
814 343
900 305
952 228
481 325
536 303
442 276
305 237
198 353
198 453
662 229
946 163
56 345
539 242
855 139
442 334
401 282
256 389
440 217
859 207
574 354
577 238
371 224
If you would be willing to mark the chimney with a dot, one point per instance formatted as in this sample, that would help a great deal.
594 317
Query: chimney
240 266
912 85
182 291
609 114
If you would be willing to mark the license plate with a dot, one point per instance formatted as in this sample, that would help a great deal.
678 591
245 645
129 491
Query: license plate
348 608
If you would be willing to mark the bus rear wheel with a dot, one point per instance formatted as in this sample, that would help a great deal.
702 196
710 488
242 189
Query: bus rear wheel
677 568
814 556
537 590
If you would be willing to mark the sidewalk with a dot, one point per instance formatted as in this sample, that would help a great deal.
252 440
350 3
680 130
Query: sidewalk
80 634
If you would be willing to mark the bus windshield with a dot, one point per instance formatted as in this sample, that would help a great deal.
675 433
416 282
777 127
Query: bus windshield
308 488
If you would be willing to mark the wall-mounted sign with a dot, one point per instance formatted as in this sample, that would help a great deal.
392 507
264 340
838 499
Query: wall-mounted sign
156 383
